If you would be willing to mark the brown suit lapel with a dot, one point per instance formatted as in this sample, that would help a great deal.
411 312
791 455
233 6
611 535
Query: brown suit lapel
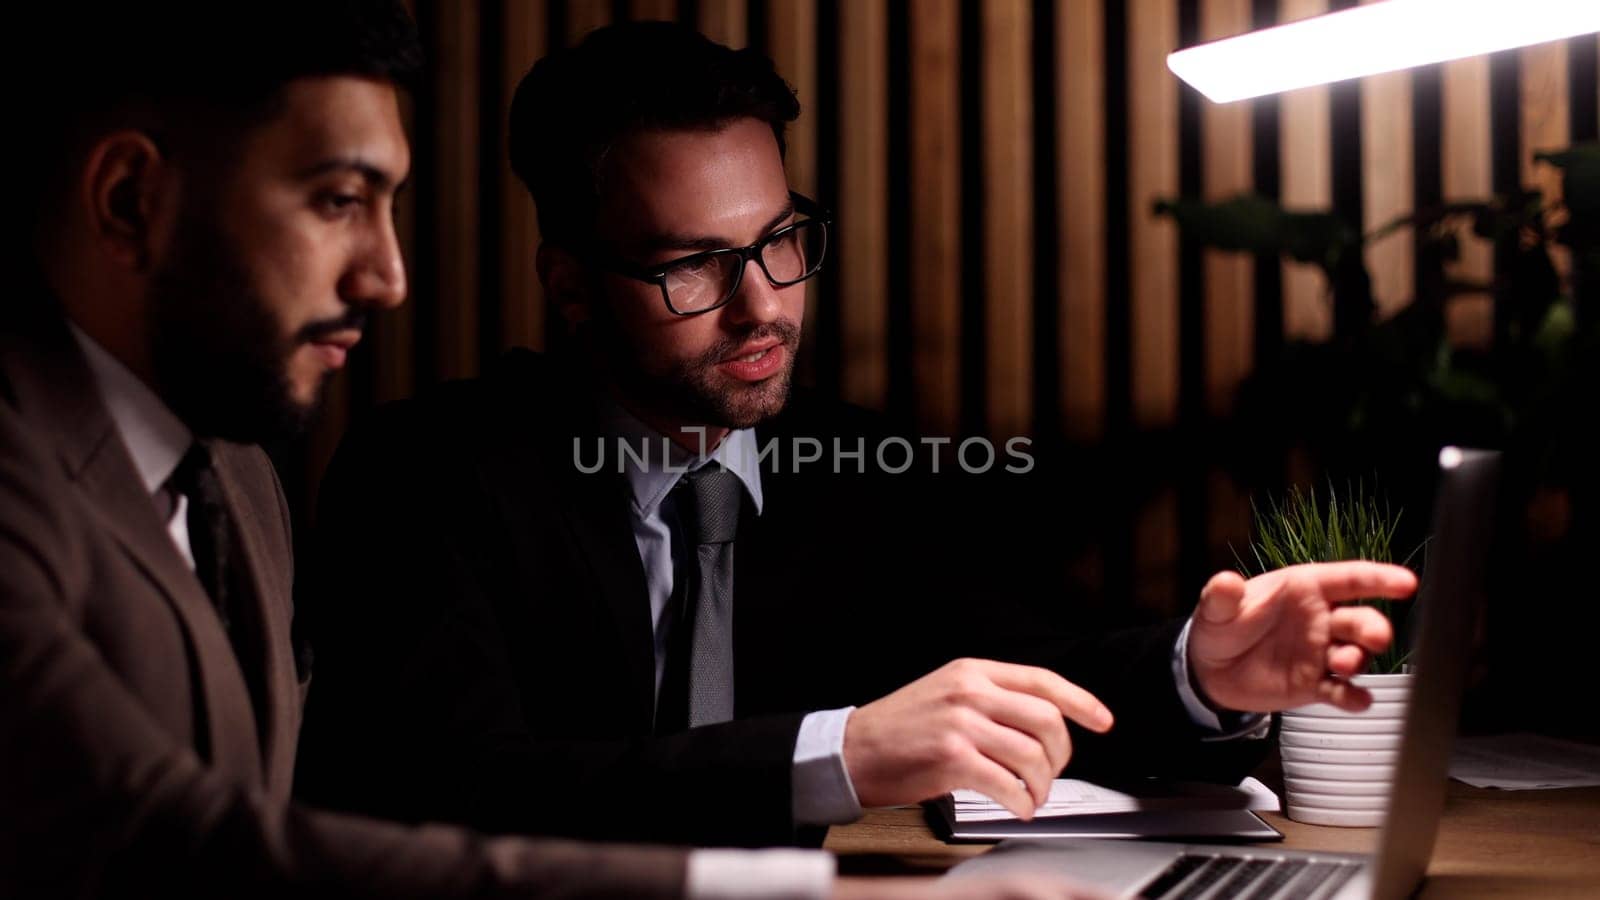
54 390
267 600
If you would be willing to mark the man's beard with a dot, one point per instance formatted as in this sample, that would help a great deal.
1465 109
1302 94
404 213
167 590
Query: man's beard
219 355
693 391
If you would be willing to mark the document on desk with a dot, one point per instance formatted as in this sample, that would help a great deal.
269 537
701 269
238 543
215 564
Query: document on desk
1082 809
1524 762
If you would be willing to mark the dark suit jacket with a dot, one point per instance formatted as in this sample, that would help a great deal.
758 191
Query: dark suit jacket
131 760
483 637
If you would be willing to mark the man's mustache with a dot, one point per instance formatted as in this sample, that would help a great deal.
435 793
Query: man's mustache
785 331
354 320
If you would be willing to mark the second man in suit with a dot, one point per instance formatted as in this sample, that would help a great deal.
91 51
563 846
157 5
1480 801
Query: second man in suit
643 589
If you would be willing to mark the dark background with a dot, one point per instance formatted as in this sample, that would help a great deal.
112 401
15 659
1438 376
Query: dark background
999 272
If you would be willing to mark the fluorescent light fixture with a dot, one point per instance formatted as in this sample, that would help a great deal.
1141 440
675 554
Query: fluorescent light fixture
1378 37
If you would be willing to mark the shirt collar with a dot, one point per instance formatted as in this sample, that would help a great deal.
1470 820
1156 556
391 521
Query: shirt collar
154 436
665 461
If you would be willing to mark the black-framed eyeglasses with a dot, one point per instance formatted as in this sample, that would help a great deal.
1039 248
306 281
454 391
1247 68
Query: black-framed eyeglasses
702 282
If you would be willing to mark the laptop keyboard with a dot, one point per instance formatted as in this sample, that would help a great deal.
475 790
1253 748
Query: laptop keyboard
1195 876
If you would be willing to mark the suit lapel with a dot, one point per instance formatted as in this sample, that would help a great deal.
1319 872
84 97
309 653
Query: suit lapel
54 390
593 507
596 510
265 607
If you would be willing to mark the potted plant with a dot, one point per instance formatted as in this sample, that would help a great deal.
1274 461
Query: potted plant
1338 766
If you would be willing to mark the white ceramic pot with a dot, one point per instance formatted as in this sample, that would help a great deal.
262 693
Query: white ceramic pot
1338 767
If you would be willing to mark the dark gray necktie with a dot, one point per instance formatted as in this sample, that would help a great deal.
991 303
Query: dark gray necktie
210 536
708 509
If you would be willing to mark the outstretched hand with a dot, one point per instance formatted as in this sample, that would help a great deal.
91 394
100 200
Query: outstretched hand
1288 637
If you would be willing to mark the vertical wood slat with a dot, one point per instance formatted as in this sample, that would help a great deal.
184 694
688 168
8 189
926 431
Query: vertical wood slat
1305 151
1387 186
935 275
456 206
863 192
1546 119
1080 71
584 16
1008 215
522 305
1546 125
1228 171
1153 173
792 44
653 10
1465 171
725 21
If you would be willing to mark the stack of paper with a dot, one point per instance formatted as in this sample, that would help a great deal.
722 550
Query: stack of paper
1148 809
1521 762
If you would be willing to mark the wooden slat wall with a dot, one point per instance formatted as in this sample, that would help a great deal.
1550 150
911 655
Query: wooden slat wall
1387 185
1230 277
791 42
863 190
935 215
662 10
725 21
1080 70
451 326
1306 157
925 125
583 16
1153 173
1007 215
455 180
1545 115
522 311
1465 171
1545 122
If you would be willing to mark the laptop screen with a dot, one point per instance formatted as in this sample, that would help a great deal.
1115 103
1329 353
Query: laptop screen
1453 593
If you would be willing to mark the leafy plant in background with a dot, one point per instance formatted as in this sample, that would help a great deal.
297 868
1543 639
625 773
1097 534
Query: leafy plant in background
1397 386
1299 529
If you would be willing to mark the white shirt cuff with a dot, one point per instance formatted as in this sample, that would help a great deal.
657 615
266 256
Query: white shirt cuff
823 794
1242 725
780 874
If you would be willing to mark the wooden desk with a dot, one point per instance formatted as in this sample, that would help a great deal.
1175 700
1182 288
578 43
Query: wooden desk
1536 844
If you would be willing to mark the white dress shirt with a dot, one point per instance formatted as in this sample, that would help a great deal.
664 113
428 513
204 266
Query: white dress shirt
156 439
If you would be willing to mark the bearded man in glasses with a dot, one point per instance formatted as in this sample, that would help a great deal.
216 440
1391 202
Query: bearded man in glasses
641 588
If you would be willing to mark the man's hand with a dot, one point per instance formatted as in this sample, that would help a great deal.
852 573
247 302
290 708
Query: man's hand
1282 639
972 724
1011 887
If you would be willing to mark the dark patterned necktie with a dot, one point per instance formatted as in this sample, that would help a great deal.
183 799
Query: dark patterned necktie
210 537
698 686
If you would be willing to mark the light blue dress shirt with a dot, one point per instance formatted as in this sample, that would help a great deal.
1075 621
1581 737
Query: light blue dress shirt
652 465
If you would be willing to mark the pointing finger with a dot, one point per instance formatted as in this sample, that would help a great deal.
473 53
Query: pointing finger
1341 582
1074 702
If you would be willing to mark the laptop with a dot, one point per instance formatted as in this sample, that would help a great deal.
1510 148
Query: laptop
1452 595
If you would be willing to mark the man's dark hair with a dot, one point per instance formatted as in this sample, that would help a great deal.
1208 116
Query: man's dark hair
578 102
198 70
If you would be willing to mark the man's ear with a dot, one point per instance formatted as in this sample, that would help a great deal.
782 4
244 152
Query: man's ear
123 194
565 284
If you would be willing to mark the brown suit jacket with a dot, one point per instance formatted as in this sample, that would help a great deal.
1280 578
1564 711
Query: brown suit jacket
132 761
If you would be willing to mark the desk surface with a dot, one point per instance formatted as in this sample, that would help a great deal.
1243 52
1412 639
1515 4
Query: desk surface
1491 844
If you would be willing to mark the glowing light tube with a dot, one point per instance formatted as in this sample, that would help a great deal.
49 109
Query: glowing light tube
1379 37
